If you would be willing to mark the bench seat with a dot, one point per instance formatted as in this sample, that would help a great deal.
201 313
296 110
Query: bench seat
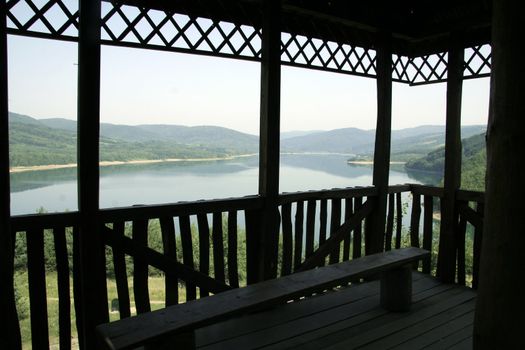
175 324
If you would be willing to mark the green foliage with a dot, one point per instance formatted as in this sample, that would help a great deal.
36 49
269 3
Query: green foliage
473 165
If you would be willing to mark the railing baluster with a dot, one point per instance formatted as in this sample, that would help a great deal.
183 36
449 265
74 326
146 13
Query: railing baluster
414 223
478 235
299 222
286 214
187 253
64 298
140 268
427 231
36 272
233 275
389 222
414 220
349 211
204 248
121 275
358 231
218 248
460 239
310 227
399 219
323 220
79 308
335 223
169 246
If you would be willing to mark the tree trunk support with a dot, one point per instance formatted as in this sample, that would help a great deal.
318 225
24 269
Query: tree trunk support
500 304
10 332
375 222
452 178
269 139
91 249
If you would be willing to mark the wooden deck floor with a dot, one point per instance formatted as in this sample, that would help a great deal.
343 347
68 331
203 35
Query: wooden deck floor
441 318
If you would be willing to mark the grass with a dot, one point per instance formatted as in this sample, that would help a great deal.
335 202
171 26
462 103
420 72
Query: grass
156 293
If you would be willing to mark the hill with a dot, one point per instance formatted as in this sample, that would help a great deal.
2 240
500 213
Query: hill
53 141
473 162
406 143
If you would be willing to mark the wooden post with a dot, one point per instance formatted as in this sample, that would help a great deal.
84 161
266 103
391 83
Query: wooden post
396 289
375 222
269 138
500 304
10 331
91 250
452 178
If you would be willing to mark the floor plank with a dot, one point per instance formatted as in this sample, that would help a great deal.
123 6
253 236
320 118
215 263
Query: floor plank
441 316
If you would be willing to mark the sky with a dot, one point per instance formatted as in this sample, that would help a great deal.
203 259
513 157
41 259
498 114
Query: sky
153 87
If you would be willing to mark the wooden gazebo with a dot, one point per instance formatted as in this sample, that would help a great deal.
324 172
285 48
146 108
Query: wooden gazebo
412 42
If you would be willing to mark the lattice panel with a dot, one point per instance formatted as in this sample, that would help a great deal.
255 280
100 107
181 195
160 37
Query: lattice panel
427 69
136 27
45 18
298 50
400 68
152 28
477 61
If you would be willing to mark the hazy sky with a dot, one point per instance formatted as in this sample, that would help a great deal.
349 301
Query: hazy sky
145 87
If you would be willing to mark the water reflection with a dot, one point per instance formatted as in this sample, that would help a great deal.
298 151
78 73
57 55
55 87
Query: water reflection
128 184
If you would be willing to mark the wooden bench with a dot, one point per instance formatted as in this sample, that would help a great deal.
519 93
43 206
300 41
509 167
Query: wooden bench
173 327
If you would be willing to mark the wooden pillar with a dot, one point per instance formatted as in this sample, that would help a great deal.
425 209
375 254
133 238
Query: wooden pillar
500 305
10 331
375 223
92 267
452 177
269 136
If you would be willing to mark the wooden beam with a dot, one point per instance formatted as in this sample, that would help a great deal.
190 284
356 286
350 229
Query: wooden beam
91 249
269 136
333 243
375 223
162 262
452 180
500 304
10 332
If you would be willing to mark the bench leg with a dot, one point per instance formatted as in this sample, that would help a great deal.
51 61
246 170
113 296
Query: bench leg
396 289
183 341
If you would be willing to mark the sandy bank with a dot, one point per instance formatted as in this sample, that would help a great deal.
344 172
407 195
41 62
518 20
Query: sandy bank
20 169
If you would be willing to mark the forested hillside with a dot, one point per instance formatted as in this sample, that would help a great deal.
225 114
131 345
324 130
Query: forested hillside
473 162
35 142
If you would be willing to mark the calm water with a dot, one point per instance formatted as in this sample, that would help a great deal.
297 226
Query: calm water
123 185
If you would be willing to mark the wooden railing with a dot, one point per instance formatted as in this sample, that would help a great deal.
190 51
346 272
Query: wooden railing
190 223
470 206
338 215
204 248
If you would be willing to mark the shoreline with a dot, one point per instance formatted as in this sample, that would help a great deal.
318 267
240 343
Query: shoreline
370 162
21 169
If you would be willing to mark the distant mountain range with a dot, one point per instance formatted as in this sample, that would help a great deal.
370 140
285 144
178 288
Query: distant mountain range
53 141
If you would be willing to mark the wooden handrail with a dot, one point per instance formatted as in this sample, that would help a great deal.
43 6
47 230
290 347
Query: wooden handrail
328 194
138 212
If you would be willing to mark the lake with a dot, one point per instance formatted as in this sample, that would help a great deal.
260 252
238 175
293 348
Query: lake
129 184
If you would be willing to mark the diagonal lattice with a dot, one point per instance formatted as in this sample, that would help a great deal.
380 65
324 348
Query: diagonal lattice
132 26
477 61
142 27
400 68
298 50
45 18
428 68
